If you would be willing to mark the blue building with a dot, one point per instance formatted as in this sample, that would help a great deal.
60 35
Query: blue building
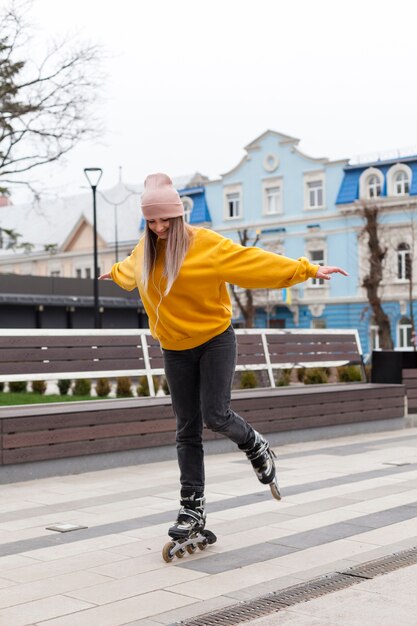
297 205
287 198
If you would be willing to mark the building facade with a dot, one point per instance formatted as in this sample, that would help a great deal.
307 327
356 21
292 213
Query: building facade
389 186
287 201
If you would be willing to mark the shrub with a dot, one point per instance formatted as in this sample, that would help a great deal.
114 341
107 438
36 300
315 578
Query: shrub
284 378
124 387
1 386
39 386
103 387
300 374
17 386
165 386
315 376
143 386
64 387
82 387
349 374
248 380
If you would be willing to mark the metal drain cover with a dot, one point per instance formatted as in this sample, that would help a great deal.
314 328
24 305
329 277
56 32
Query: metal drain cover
65 527
273 602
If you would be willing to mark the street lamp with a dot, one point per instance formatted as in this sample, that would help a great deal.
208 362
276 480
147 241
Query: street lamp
93 175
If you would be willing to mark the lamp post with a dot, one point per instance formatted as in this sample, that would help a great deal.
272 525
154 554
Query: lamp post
116 236
93 175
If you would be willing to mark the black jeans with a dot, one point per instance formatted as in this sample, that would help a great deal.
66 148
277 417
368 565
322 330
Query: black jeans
200 381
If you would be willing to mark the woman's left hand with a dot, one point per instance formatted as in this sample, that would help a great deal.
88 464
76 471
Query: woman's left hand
324 271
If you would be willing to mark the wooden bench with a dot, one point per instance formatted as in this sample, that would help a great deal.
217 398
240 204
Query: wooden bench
67 429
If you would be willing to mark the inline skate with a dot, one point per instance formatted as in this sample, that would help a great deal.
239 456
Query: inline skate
188 531
262 457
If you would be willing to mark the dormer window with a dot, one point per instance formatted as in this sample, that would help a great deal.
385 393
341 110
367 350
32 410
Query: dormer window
401 184
399 180
188 207
374 186
371 183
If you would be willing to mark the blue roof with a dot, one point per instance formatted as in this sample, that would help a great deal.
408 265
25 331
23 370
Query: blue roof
349 189
200 212
413 188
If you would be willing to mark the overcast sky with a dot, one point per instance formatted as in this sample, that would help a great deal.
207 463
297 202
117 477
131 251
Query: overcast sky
190 83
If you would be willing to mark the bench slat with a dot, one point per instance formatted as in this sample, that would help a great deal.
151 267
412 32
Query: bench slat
81 418
75 354
65 367
68 341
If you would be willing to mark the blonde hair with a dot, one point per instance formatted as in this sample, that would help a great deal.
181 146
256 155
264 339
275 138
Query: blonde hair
178 242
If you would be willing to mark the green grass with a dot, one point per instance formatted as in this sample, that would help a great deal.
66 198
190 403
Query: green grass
27 397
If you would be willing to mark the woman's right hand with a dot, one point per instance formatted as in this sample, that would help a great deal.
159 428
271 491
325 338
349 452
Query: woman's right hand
105 276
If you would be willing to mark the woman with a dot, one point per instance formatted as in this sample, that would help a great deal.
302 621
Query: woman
181 273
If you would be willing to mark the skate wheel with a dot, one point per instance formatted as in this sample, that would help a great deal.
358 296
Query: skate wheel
275 490
167 553
180 553
202 545
211 537
191 548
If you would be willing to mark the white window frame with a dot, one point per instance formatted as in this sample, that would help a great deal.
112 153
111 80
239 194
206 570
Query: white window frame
314 177
83 269
402 334
402 261
374 337
317 282
364 182
399 168
26 269
55 269
267 185
188 208
374 186
228 191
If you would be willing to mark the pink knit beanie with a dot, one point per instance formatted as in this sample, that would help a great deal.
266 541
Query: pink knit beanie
160 199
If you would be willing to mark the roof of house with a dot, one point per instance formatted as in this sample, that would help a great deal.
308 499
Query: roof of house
349 189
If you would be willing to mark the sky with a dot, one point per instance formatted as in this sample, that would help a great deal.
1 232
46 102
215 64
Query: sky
190 83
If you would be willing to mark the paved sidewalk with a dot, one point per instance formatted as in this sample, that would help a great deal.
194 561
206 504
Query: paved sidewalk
345 501
384 601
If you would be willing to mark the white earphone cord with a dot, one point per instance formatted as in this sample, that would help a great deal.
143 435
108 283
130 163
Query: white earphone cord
161 295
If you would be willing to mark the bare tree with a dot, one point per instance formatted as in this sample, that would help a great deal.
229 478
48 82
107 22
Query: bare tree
372 280
46 104
408 268
244 298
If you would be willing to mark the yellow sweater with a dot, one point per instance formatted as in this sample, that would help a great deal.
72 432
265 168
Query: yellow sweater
198 307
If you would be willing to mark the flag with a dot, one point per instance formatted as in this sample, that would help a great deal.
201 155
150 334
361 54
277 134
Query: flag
286 295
